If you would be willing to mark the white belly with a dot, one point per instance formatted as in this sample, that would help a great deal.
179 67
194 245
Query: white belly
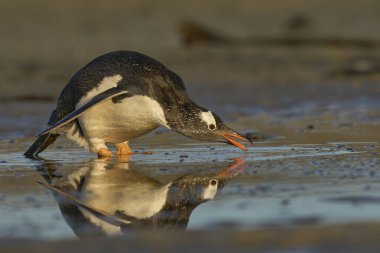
137 197
120 122
112 190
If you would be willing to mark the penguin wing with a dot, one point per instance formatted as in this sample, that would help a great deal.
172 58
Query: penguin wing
102 215
98 99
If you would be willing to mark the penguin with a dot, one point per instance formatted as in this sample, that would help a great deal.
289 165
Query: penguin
105 199
123 95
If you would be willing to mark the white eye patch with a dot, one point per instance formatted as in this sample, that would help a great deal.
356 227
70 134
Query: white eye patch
209 191
209 119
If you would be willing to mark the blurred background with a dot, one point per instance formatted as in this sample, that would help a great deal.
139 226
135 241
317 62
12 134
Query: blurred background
256 54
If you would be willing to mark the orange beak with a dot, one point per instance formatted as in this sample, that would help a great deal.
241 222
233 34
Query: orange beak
229 137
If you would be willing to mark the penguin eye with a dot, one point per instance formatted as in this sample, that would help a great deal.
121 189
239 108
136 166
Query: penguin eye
211 127
213 182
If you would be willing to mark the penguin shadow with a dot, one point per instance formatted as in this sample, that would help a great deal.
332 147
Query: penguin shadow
104 199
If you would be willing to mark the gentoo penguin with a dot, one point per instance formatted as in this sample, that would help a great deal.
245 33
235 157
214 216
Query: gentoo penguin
123 95
111 199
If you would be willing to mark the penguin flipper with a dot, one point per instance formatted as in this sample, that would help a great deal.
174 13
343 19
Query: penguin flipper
42 142
102 215
98 99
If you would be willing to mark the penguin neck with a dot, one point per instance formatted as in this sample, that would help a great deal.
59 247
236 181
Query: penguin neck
179 116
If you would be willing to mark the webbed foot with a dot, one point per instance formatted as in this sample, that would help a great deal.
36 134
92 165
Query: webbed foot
104 153
123 149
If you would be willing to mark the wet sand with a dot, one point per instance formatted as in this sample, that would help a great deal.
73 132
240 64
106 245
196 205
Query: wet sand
311 178
349 238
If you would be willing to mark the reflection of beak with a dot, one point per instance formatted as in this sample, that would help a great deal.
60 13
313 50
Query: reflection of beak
235 169
231 141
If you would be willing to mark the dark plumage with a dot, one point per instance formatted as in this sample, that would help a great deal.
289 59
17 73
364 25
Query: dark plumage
141 76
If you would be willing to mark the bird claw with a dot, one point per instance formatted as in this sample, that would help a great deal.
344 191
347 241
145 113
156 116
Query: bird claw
103 153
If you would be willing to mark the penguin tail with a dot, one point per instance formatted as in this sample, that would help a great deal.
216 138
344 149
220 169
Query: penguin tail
40 145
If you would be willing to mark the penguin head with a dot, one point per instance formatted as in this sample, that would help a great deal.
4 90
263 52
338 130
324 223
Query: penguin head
199 123
192 190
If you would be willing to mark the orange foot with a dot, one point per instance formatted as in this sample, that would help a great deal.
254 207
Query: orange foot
123 149
103 152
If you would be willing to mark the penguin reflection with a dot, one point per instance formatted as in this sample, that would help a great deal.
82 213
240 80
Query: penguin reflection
111 199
